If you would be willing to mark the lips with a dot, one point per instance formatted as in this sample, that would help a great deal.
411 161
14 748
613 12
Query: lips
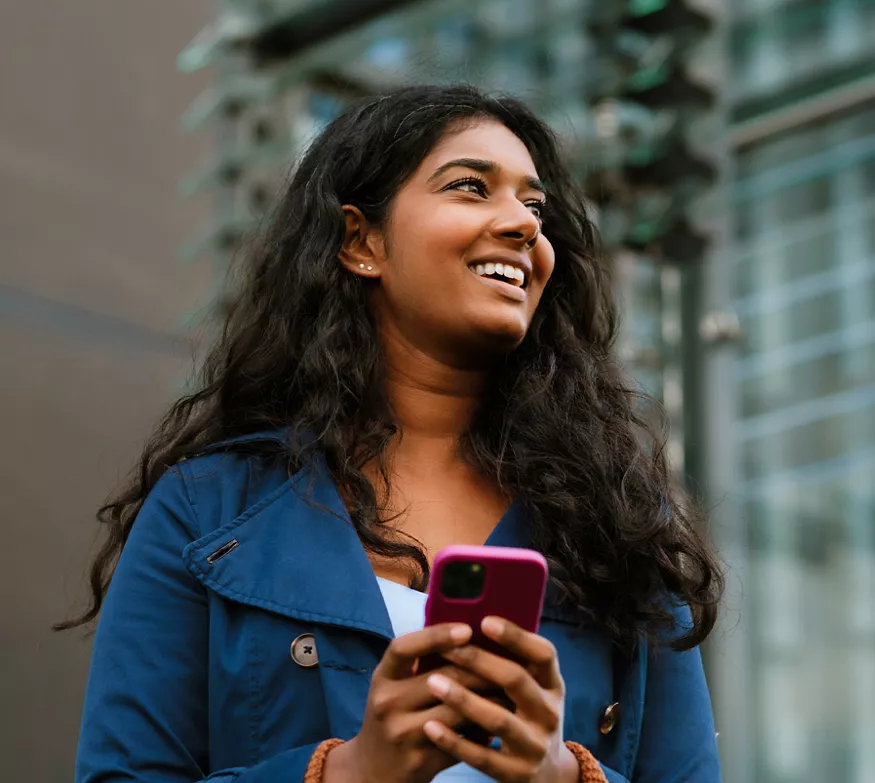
506 289
516 270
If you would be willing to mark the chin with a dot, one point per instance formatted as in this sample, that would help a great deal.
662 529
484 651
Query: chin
500 339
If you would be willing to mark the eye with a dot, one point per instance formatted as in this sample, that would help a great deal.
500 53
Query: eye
538 208
470 184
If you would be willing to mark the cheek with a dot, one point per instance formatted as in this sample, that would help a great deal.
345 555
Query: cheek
428 237
545 260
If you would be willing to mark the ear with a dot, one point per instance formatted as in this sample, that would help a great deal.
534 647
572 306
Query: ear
362 252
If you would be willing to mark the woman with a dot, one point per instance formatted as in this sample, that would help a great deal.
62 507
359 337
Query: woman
419 356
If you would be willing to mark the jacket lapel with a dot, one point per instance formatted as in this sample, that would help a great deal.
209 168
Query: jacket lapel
297 554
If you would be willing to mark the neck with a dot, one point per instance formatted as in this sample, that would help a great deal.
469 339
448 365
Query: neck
432 401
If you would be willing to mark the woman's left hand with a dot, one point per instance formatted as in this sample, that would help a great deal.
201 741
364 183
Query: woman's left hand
532 747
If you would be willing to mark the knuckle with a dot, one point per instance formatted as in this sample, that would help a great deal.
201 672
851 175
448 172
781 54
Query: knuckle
416 760
501 724
396 734
466 654
545 653
479 760
451 718
517 678
466 678
396 646
553 717
540 746
382 704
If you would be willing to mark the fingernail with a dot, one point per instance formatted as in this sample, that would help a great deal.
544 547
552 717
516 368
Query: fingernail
492 625
433 729
439 685
460 633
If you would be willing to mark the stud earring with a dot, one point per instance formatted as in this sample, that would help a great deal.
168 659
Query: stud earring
370 269
361 266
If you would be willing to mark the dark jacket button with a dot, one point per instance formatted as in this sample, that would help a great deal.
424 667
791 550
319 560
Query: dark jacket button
303 651
609 718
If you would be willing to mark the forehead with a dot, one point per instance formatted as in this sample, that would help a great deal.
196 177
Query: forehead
484 139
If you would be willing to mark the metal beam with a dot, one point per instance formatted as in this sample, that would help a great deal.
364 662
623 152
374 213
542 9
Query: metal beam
786 118
320 21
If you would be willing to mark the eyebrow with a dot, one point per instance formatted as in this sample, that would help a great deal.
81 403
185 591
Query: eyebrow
484 167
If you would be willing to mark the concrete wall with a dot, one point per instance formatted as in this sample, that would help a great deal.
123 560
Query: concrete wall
91 300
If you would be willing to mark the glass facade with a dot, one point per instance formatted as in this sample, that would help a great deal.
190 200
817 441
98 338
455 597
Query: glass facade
777 42
804 288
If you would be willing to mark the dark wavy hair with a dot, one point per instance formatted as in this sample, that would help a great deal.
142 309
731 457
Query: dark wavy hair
299 350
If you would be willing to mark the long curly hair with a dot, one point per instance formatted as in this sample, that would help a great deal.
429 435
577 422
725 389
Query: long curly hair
563 431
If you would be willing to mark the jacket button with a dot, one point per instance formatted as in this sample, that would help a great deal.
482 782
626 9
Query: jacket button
303 651
609 718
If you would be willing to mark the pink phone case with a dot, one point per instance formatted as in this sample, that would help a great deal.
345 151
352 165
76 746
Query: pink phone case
515 580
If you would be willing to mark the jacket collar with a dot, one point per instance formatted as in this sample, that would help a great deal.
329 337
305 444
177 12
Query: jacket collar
295 552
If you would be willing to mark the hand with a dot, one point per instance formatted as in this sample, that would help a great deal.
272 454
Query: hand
392 746
532 749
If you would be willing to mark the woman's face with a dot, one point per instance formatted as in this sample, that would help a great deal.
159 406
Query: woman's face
461 261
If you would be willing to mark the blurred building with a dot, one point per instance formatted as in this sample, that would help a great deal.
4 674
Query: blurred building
763 350
802 266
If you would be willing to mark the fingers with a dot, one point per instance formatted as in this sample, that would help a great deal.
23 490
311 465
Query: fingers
538 652
517 682
493 763
413 694
525 739
399 659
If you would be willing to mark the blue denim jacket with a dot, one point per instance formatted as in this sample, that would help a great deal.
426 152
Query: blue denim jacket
227 564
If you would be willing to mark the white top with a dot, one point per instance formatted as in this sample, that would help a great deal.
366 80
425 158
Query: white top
406 608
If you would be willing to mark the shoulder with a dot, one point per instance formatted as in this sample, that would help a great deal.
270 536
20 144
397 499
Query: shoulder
225 479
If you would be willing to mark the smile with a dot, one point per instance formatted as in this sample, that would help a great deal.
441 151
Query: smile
511 288
504 273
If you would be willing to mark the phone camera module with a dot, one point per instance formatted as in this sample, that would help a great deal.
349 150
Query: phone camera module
463 580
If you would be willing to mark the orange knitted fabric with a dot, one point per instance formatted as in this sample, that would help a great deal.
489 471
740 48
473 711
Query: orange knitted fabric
317 760
590 769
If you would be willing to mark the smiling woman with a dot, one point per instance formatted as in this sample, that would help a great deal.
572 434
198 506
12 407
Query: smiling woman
419 355
474 201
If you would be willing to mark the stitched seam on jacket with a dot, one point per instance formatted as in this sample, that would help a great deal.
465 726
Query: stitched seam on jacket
255 717
189 494
633 726
341 667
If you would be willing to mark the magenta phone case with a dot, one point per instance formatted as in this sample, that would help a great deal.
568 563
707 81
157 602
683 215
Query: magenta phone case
515 580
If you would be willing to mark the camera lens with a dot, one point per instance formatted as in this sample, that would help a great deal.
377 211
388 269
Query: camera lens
463 579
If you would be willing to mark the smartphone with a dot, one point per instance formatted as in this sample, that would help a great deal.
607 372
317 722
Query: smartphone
469 583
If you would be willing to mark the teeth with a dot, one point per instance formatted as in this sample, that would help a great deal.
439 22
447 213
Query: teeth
505 270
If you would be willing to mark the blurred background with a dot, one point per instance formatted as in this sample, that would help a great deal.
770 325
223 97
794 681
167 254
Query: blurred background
728 150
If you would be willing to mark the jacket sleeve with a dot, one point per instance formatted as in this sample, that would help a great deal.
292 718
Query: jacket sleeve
145 717
677 743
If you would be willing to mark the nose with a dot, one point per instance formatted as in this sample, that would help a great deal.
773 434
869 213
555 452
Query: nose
518 223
